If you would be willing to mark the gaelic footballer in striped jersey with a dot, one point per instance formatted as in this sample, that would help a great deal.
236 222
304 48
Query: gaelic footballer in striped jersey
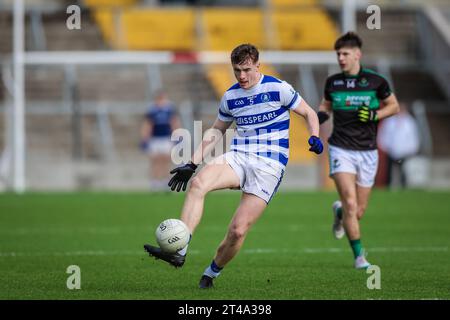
260 106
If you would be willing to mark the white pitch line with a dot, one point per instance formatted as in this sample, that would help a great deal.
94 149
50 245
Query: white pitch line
245 251
70 253
340 250
61 231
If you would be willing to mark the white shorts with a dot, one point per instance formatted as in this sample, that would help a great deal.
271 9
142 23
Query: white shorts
160 146
253 176
362 163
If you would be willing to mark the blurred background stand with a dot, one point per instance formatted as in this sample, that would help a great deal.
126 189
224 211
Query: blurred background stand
71 100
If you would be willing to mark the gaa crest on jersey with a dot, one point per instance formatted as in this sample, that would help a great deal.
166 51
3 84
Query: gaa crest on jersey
363 82
265 97
238 103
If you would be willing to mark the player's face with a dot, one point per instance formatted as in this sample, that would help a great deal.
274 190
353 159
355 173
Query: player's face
247 73
348 59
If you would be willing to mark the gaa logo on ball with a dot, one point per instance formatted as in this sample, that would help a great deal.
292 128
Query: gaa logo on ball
172 235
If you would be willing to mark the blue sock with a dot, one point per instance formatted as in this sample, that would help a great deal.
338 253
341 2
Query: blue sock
215 267
213 270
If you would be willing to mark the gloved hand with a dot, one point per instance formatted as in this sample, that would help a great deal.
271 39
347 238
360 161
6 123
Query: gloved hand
182 176
367 115
323 116
316 144
143 145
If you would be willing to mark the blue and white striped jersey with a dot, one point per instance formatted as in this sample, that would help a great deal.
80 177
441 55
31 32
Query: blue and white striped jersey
262 118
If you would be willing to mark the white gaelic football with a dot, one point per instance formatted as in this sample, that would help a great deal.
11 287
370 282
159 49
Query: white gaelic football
172 235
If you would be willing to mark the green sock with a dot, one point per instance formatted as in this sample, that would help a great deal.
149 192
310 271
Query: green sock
356 247
339 212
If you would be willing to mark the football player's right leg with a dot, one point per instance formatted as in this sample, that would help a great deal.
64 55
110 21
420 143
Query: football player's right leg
363 194
346 187
250 209
248 212
214 176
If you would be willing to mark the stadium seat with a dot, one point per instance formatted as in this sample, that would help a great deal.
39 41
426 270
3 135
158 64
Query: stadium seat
105 21
292 3
109 3
221 77
310 29
149 29
102 12
223 28
175 29
159 29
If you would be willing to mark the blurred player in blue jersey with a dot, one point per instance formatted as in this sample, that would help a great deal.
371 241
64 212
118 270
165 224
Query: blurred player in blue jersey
260 106
358 98
160 120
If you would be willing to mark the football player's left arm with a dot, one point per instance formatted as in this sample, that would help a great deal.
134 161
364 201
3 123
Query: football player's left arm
390 107
304 110
312 120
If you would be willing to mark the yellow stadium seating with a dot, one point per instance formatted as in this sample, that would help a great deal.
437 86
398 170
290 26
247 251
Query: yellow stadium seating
109 3
292 3
309 29
149 29
224 29
104 19
159 29
221 77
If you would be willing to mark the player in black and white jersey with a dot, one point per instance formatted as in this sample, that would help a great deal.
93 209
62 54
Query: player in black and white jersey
358 98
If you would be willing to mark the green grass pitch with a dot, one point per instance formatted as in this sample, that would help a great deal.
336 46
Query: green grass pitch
289 254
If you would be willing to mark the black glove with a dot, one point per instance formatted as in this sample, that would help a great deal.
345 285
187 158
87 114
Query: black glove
367 115
182 176
323 116
316 144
